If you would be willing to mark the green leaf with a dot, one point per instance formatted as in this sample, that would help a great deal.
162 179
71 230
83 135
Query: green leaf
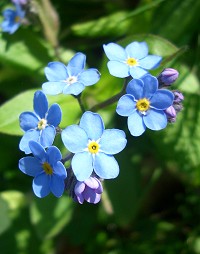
50 215
5 220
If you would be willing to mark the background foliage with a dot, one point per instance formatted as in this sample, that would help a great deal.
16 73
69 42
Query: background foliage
153 206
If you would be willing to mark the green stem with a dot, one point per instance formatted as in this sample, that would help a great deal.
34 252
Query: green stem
80 103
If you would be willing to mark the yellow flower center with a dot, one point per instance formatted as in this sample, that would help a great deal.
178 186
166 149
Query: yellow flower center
42 124
71 80
131 61
47 168
17 19
93 147
143 104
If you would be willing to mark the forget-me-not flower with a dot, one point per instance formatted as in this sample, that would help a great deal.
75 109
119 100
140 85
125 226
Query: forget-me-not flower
48 171
70 79
12 19
133 60
20 1
89 190
93 147
41 124
144 105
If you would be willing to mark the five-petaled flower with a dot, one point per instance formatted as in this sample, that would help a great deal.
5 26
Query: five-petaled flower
93 147
48 171
144 105
89 190
133 60
12 19
70 79
41 124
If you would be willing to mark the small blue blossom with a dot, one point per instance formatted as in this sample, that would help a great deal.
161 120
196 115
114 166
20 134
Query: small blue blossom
20 1
70 79
48 171
133 60
12 19
144 105
41 124
93 147
89 190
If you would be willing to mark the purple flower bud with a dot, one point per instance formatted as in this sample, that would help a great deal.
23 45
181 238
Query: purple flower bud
178 107
178 96
167 77
90 190
170 112
19 1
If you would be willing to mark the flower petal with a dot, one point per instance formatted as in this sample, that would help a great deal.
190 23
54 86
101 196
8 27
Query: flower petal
54 115
53 155
74 138
137 50
60 170
137 72
93 125
114 52
40 104
47 136
28 136
162 99
79 188
75 88
91 196
126 105
150 62
155 120
118 69
92 182
105 166
57 185
112 141
150 86
76 64
41 185
89 77
30 166
53 88
135 87
38 151
28 120
136 125
82 165
56 71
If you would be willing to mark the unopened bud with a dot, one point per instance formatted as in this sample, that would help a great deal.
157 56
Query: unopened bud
170 112
178 96
167 77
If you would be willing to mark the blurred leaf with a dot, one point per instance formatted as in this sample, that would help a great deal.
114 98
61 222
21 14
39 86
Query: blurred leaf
50 215
10 111
5 220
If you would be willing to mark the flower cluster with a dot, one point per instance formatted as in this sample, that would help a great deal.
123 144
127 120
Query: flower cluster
147 103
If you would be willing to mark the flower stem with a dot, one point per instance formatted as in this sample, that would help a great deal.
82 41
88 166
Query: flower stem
67 157
80 102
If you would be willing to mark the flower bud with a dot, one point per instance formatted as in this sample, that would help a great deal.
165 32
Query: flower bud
19 1
170 112
90 190
178 96
167 77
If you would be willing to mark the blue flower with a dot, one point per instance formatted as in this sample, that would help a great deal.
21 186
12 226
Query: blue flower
133 60
19 1
93 147
70 79
12 19
41 124
48 171
144 105
89 190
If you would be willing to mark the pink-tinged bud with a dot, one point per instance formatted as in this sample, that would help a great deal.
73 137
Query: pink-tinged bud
170 112
167 77
178 96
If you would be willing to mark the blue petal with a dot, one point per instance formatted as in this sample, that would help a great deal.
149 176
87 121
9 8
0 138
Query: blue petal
60 170
54 115
126 105
28 120
53 155
91 196
28 136
89 77
41 185
105 166
38 151
136 125
137 72
150 86
115 52
137 50
118 69
75 88
150 62
112 141
57 186
47 136
30 166
40 104
82 165
162 99
76 64
74 138
9 13
155 120
135 87
93 125
53 88
56 71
